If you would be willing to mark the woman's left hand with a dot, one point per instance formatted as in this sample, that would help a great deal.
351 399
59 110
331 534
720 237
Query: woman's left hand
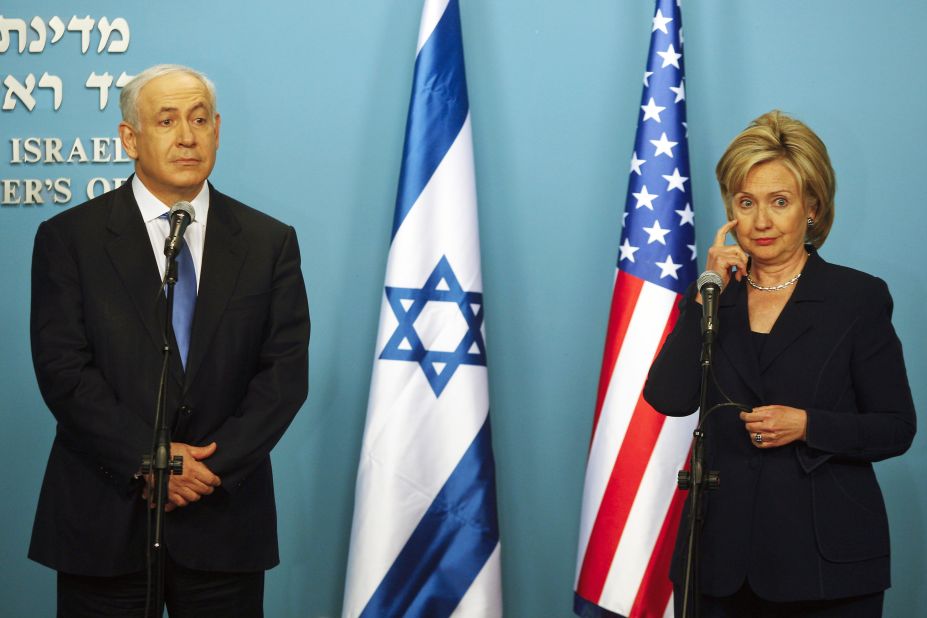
773 426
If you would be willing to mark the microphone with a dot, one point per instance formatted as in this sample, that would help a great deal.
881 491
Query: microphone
182 215
709 286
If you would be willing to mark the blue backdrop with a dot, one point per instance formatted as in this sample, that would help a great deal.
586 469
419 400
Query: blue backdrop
313 97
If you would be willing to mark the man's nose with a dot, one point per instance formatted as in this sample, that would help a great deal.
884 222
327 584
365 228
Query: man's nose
185 134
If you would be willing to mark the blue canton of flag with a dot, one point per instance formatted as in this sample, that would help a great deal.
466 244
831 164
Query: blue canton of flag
658 239
425 537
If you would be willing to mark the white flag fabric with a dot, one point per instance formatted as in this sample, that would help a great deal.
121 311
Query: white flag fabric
425 536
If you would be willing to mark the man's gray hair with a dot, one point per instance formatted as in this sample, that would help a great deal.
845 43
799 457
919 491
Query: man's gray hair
128 99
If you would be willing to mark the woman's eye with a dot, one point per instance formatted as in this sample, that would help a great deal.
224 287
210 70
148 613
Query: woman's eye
746 203
781 202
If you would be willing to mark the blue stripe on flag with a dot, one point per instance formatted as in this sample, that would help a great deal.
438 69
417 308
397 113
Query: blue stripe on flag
588 609
437 111
450 545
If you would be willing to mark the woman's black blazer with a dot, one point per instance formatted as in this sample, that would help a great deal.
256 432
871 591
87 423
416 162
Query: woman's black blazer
807 520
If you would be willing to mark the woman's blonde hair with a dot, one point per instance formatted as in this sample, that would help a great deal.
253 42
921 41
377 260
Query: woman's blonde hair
775 136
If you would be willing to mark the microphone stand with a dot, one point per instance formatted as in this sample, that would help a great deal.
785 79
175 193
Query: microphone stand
158 462
697 480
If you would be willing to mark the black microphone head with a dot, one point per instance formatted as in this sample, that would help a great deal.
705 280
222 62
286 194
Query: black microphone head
183 207
182 215
709 276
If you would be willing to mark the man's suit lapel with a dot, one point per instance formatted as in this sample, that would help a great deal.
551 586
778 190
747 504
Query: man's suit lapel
129 249
223 255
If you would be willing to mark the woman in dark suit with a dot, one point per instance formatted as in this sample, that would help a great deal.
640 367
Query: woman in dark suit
807 348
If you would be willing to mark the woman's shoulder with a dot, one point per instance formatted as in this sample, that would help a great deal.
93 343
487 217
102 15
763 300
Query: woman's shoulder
851 285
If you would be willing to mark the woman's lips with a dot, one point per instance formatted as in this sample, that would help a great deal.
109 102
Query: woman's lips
763 242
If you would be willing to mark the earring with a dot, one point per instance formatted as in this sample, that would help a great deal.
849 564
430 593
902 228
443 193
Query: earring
810 223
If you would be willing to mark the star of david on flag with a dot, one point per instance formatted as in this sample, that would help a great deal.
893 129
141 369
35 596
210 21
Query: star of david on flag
406 344
631 507
425 535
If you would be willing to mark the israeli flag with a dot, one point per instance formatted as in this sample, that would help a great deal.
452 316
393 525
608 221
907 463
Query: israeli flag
425 537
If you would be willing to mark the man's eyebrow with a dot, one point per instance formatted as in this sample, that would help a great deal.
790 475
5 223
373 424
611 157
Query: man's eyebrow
198 105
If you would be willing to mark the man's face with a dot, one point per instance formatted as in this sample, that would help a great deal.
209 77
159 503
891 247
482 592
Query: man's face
175 144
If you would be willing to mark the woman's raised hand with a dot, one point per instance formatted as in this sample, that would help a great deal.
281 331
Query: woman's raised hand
723 258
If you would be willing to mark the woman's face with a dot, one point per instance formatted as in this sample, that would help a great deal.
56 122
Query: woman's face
771 214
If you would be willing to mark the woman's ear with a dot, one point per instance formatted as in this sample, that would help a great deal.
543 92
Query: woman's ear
812 207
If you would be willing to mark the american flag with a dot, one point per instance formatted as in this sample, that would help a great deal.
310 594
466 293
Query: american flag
631 507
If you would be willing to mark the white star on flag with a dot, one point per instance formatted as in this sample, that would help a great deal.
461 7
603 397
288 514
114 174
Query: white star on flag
663 146
692 249
644 198
675 180
686 215
680 91
668 268
636 163
652 110
647 75
670 57
656 233
627 251
659 22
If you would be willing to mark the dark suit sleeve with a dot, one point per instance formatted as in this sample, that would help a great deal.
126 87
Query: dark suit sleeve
672 386
281 381
884 424
91 419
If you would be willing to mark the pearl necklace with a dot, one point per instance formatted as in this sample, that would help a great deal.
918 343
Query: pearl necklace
772 288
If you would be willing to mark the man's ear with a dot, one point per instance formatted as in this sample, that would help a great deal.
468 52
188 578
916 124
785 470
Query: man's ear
127 136
218 122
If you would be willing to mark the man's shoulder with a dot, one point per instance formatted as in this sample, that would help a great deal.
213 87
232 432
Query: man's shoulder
248 217
93 213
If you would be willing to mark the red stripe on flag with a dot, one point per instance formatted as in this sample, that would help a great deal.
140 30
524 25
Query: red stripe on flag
623 483
624 298
656 587
618 498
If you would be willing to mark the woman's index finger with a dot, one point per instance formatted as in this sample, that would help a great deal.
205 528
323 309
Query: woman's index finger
723 230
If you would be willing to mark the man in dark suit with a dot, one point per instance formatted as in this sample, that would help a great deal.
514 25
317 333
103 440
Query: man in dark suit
238 375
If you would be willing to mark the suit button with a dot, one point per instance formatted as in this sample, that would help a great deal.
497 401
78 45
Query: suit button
186 410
